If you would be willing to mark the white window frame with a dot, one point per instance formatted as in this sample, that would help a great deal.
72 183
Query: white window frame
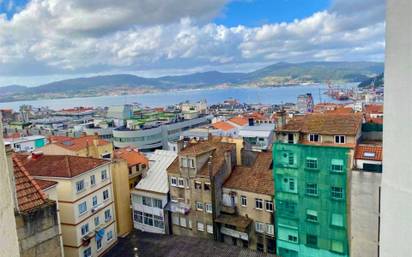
268 203
258 200
243 201
173 181
340 137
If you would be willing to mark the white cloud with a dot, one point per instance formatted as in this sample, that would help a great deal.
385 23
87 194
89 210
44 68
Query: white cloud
77 37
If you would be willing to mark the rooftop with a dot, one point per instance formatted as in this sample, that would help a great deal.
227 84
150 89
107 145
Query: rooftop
257 179
132 156
29 193
63 166
325 123
156 177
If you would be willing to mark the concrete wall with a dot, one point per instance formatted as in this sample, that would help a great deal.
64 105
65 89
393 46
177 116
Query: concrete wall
8 236
364 213
38 232
396 223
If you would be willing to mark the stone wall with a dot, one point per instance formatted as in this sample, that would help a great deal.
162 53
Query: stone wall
38 232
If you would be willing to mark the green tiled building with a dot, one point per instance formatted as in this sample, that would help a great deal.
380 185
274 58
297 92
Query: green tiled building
311 166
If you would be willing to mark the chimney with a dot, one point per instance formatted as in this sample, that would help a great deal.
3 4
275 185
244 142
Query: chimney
251 122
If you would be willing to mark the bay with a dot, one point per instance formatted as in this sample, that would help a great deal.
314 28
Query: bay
270 95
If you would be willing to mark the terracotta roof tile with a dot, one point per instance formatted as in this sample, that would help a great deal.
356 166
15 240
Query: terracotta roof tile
369 152
29 193
132 156
325 123
223 126
59 165
257 179
240 121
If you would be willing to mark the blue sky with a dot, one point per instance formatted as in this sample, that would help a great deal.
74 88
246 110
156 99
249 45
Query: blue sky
47 40
259 12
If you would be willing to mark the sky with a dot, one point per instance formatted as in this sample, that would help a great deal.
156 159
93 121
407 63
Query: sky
48 40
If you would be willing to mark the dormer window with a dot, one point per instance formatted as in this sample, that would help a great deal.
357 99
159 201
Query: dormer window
340 139
314 138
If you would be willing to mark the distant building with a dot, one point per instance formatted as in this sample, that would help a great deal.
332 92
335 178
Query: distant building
305 103
151 195
247 211
312 161
85 146
85 193
26 144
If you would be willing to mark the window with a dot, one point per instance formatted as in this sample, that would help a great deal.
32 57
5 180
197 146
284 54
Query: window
269 206
157 203
337 165
200 226
107 215
148 219
311 240
243 200
96 221
158 221
181 182
336 246
259 203
80 186
183 222
138 216
293 238
337 220
92 180
147 201
311 163
311 216
105 195
109 235
94 201
87 252
337 193
198 185
199 206
209 228
84 229
270 229
314 138
99 244
260 227
82 208
208 208
340 139
206 186
104 175
173 181
311 189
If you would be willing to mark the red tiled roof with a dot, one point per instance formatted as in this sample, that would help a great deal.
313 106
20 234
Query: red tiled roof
76 144
325 123
223 126
369 152
373 108
132 156
59 165
257 179
241 121
44 184
29 193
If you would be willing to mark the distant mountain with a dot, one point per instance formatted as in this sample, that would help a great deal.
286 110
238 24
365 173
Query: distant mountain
273 75
376 81
12 89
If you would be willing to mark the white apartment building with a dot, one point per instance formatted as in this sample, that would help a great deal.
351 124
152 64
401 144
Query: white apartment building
85 195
